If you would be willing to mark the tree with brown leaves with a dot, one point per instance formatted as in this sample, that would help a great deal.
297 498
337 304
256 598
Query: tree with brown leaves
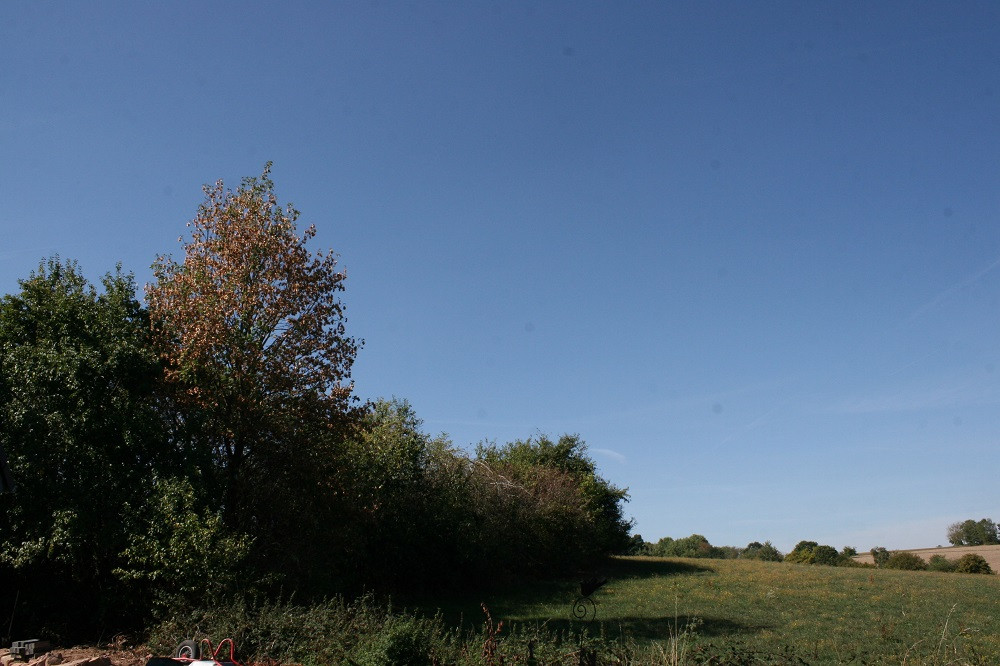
251 330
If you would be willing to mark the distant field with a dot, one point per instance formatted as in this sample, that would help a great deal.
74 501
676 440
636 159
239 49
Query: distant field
990 553
742 611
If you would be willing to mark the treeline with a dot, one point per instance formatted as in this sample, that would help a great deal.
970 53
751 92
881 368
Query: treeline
205 443
810 552
697 545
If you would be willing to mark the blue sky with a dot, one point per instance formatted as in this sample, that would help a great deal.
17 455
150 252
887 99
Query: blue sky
750 252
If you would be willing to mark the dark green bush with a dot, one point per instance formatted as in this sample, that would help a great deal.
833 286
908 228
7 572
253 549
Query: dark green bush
402 641
880 555
972 563
905 561
761 551
941 563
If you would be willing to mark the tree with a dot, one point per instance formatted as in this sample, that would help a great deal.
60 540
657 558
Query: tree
252 334
974 533
78 420
880 555
761 551
566 459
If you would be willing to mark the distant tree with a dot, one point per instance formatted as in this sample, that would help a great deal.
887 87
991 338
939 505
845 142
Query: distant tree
826 555
974 533
810 552
695 545
252 333
636 546
804 552
973 563
880 555
761 551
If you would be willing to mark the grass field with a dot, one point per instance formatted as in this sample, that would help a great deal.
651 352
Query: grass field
749 612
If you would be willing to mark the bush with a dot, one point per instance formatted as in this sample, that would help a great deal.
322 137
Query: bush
906 562
761 551
880 555
972 564
403 641
941 563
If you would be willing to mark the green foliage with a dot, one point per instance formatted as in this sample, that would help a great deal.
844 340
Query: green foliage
637 546
764 552
402 641
974 533
695 545
905 561
811 552
78 421
803 553
573 508
880 555
971 563
184 557
601 502
941 563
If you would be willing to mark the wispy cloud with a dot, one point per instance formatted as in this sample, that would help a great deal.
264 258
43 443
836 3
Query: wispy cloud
947 293
614 455
921 396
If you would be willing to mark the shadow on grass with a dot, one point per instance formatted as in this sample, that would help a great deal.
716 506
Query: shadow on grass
465 610
641 567
644 628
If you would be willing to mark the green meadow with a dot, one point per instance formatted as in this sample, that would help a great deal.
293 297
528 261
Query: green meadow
749 612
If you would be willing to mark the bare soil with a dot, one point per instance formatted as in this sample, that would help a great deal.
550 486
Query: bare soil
989 553
118 656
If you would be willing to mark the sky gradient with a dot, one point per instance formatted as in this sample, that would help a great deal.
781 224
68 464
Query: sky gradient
750 252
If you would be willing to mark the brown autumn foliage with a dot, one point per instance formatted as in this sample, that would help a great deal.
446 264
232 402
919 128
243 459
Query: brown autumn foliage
251 331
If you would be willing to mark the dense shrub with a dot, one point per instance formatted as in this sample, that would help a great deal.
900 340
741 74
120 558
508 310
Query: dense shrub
905 561
941 563
761 551
79 425
880 555
972 563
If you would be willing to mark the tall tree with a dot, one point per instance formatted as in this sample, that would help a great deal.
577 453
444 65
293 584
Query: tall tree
251 330
78 420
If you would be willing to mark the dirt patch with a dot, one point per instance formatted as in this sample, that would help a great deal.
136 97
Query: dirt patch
989 553
117 657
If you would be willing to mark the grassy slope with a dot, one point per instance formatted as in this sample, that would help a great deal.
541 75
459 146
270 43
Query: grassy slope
820 614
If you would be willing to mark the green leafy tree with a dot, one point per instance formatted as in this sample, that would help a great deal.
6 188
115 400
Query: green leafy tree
78 420
803 553
695 545
974 533
880 556
765 552
181 551
600 501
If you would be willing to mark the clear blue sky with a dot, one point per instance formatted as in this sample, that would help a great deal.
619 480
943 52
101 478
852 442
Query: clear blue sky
750 252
